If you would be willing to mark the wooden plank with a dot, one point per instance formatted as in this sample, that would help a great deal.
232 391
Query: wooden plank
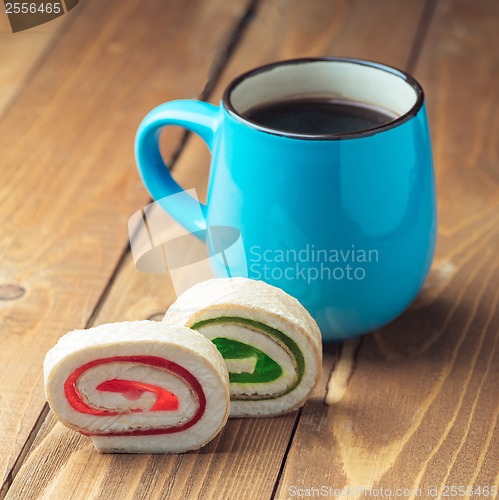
73 469
245 460
415 405
68 182
20 52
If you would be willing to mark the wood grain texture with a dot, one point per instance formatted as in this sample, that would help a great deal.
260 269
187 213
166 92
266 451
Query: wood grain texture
68 182
20 53
419 405
63 464
248 454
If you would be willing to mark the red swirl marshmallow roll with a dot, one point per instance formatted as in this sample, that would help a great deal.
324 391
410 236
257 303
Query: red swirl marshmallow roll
138 387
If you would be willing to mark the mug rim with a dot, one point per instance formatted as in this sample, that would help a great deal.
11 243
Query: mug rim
409 79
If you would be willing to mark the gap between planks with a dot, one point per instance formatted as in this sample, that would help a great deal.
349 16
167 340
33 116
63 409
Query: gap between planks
342 358
56 38
24 451
343 367
213 77
421 33
218 67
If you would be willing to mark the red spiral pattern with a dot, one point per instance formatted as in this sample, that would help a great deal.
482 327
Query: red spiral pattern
165 400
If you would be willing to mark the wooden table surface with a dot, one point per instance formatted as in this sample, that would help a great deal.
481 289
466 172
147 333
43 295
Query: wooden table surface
411 406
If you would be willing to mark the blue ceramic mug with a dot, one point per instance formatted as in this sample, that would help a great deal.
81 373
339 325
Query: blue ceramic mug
344 221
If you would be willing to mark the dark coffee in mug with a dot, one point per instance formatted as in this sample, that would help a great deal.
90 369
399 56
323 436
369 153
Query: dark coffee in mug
318 116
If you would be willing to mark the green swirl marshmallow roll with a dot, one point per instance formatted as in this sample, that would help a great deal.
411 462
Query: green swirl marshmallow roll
270 343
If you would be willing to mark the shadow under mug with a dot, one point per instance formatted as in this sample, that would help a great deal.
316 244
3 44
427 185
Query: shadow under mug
344 222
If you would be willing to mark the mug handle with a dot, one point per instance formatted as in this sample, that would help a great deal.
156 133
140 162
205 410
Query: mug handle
197 116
